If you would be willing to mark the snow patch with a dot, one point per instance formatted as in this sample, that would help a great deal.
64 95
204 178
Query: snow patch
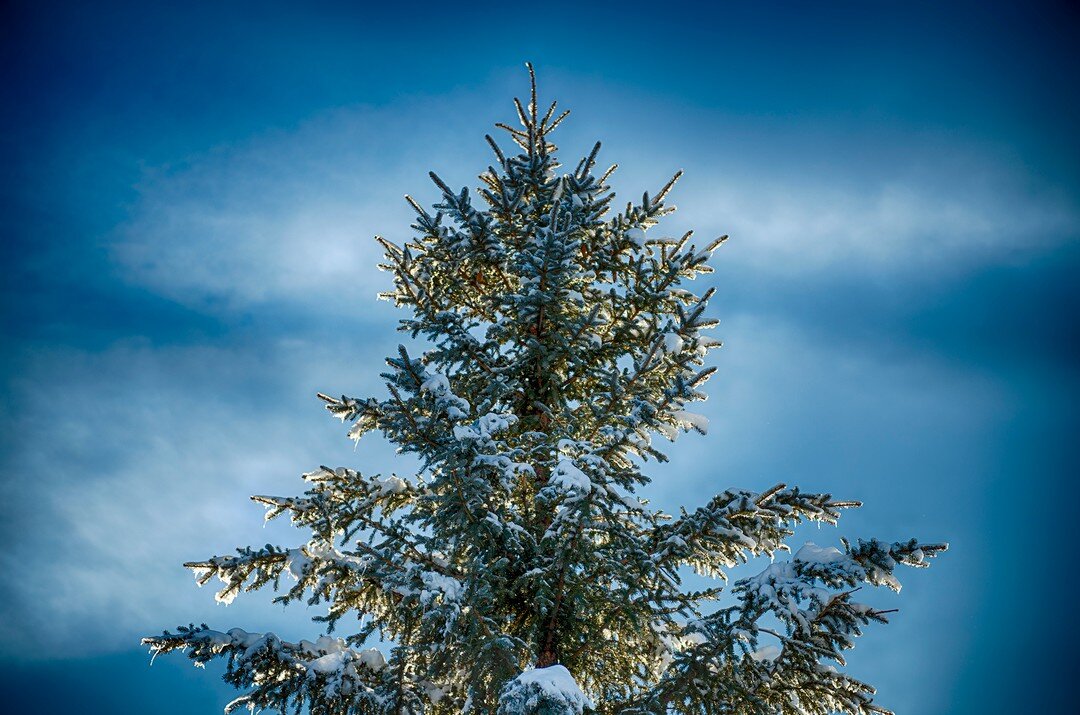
391 485
436 584
673 343
636 236
767 653
485 427
811 553
534 689
691 420
456 408
570 479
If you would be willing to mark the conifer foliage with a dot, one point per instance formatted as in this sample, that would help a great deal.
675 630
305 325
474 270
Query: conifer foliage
518 572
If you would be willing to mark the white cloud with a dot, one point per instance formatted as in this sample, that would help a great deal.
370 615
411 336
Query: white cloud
793 226
290 215
136 459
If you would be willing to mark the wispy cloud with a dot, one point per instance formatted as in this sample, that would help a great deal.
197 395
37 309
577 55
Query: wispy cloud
809 226
138 458
290 215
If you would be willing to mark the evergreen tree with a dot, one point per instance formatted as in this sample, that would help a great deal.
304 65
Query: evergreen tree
518 572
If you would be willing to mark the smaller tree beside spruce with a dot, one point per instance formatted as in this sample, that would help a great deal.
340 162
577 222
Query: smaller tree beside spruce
518 572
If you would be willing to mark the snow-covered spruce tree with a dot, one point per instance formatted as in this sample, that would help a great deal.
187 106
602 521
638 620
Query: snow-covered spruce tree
518 572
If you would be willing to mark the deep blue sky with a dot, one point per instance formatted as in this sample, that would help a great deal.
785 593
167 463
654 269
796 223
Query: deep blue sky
188 200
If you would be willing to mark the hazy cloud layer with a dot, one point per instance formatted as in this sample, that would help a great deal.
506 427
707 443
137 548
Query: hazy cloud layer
290 216
136 459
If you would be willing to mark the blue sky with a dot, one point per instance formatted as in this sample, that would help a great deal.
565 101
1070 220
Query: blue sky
188 199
